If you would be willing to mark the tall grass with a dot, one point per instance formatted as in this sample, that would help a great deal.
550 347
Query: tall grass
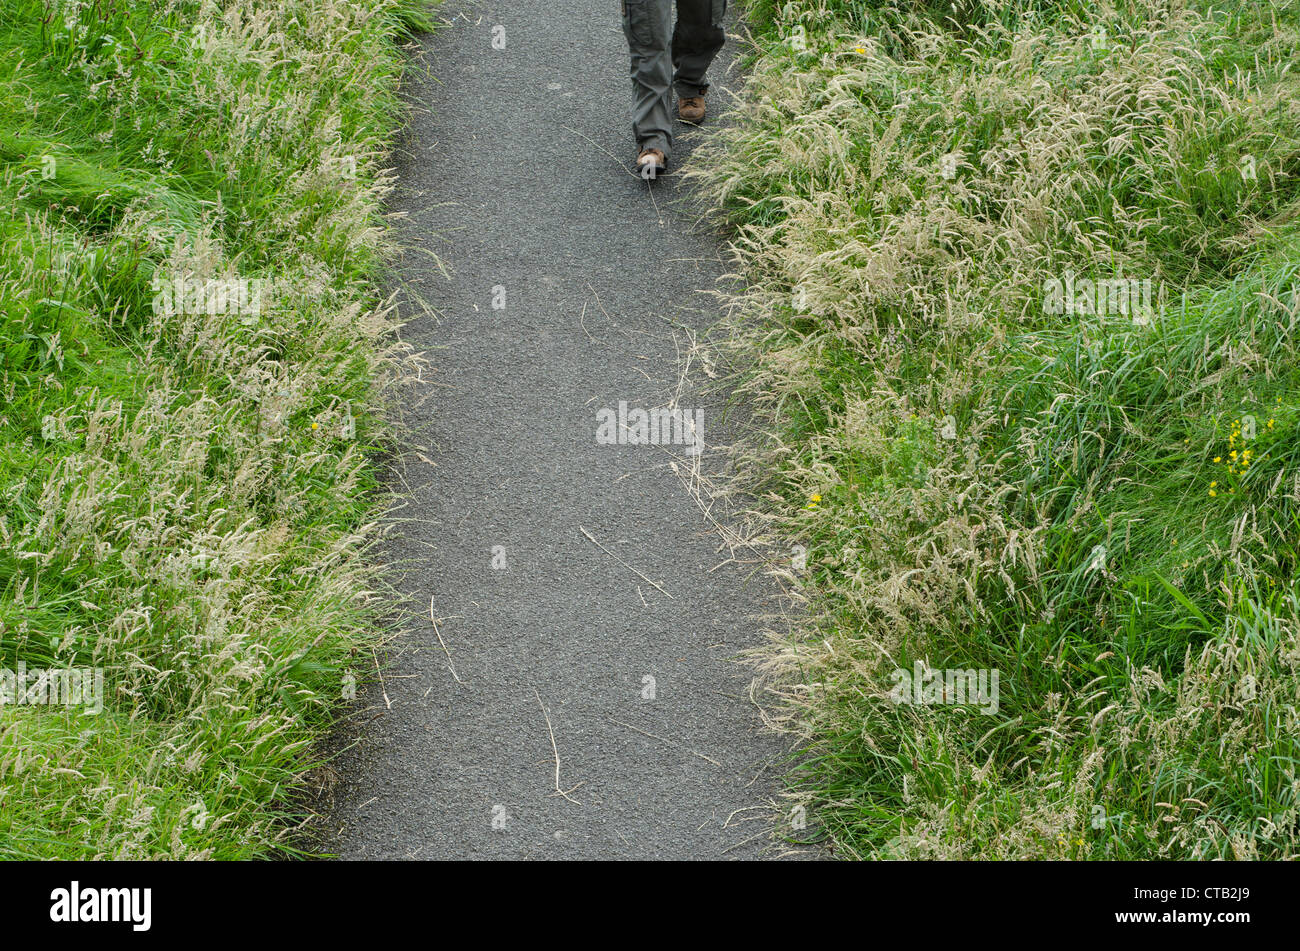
1102 506
187 494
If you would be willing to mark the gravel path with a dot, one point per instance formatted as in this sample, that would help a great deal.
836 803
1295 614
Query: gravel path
516 175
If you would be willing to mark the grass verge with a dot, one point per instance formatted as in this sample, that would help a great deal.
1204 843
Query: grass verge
1022 318
194 359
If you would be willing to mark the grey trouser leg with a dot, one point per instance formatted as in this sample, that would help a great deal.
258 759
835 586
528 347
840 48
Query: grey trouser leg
696 41
664 57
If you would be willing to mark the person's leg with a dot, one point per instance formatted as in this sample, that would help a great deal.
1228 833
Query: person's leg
647 24
696 41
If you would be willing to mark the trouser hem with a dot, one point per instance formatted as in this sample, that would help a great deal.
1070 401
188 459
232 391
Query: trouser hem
687 90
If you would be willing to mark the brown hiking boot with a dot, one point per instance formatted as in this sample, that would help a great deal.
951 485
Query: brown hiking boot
691 109
651 163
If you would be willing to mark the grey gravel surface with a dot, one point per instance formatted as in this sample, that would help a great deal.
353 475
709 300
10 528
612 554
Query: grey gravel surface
516 174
